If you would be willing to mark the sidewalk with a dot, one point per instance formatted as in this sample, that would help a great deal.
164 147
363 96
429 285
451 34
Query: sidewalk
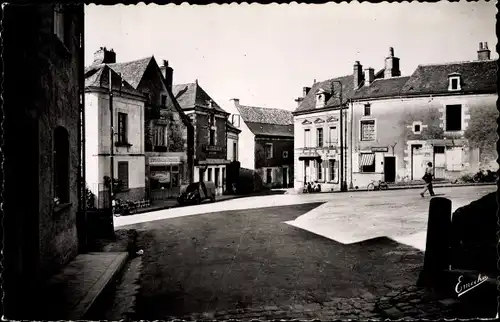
70 294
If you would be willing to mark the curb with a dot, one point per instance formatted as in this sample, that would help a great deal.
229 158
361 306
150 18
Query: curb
444 185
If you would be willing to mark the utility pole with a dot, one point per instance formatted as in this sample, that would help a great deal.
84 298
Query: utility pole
112 135
341 121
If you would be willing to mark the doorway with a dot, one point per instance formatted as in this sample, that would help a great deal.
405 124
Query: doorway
285 177
417 162
439 162
389 169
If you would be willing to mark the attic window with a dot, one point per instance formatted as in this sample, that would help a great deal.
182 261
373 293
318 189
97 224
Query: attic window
454 82
320 99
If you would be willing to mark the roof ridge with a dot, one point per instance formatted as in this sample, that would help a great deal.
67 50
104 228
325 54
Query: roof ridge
265 108
457 62
132 61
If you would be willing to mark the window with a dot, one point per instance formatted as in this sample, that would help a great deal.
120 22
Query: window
319 137
164 100
307 137
454 82
269 175
175 175
368 130
285 154
439 149
332 167
123 173
367 162
159 136
122 128
217 174
212 120
59 23
61 166
269 150
333 135
209 174
453 117
212 137
417 127
319 169
235 151
367 111
223 177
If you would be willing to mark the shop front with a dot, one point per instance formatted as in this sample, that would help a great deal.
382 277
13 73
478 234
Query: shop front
165 176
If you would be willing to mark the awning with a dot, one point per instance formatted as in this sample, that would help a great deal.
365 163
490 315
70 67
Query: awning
310 157
367 159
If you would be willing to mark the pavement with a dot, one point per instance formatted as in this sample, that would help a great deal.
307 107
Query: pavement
71 293
328 256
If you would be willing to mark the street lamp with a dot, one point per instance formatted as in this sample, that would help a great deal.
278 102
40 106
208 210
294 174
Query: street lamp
342 184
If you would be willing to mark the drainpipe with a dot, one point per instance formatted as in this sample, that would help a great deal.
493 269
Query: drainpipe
351 186
112 134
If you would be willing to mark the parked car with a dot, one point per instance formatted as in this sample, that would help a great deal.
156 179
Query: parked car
194 193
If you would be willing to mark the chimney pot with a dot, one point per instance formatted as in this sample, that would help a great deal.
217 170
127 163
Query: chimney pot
483 53
168 73
485 45
480 46
104 56
391 52
358 74
391 68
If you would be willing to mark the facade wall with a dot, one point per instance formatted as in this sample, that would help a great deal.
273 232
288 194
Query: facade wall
281 159
395 136
41 93
326 172
232 153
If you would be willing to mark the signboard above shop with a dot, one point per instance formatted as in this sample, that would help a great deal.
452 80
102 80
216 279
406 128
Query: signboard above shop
164 160
380 149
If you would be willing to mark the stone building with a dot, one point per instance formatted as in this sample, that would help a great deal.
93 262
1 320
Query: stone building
441 114
168 133
42 89
266 142
210 131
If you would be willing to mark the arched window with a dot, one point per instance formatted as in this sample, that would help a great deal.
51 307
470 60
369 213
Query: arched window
61 164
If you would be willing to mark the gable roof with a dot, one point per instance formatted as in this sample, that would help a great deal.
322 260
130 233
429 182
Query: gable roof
309 102
270 129
132 71
191 95
382 87
98 76
264 115
477 77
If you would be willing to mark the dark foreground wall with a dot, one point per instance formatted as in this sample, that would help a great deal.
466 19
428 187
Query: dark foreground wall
41 98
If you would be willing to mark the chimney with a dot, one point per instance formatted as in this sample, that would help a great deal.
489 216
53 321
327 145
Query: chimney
483 53
236 101
299 100
358 74
168 73
369 76
305 91
391 65
104 56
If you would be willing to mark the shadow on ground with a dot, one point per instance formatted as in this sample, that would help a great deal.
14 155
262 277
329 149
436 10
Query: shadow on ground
244 258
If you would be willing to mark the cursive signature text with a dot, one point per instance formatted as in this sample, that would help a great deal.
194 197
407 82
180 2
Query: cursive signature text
462 288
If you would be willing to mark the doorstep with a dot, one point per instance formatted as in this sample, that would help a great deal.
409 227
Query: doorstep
70 294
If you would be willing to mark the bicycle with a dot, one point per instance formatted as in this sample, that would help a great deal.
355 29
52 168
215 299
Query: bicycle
377 185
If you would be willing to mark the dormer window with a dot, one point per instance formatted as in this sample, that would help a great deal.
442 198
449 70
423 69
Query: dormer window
321 97
454 82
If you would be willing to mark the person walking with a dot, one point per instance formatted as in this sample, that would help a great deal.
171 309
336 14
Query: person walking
428 180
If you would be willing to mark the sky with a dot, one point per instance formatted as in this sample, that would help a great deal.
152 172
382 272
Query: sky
265 54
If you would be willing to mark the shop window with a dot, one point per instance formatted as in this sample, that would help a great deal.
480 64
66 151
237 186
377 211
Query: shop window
368 130
319 170
223 177
175 176
269 175
209 174
367 162
123 173
61 166
319 137
332 167
217 177
453 117
235 151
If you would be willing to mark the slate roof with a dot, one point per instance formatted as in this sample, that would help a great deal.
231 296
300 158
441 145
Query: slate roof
98 76
477 76
270 129
192 94
132 71
381 88
254 114
309 102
